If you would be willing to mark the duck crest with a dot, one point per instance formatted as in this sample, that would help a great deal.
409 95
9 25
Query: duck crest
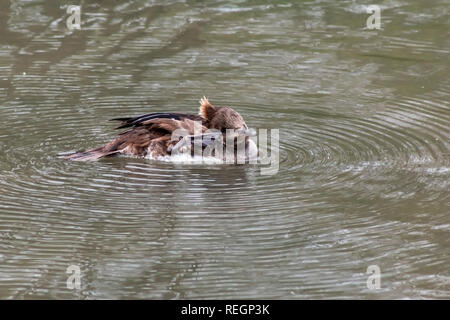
207 110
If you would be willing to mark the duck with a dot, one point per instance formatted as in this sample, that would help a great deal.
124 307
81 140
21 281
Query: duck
221 130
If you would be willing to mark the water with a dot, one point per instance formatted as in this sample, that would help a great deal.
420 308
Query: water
364 150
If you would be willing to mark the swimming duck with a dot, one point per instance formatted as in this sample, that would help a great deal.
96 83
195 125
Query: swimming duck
153 135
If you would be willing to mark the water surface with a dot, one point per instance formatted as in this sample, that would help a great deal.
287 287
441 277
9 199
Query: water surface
364 177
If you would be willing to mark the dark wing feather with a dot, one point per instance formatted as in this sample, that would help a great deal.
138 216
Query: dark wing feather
128 122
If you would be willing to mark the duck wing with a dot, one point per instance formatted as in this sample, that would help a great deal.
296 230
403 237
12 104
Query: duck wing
146 119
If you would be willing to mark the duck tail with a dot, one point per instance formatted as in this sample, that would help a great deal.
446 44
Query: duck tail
89 155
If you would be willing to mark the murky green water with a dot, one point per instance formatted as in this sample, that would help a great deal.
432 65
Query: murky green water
364 176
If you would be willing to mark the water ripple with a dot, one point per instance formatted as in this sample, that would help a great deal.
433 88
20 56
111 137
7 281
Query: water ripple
364 153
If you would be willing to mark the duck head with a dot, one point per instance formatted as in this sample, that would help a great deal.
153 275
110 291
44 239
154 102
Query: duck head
232 125
223 118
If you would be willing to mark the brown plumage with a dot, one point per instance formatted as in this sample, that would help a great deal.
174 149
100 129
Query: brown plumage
151 134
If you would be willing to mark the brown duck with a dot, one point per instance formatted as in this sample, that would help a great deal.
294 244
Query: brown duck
151 135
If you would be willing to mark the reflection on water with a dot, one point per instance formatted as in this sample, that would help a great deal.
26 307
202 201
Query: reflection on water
364 150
